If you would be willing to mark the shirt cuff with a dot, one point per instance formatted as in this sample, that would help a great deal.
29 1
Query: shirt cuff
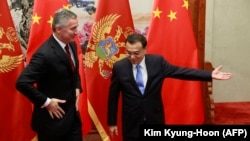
47 102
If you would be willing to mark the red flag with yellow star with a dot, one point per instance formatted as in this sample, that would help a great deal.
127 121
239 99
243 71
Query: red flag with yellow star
112 24
15 109
42 18
171 35
40 31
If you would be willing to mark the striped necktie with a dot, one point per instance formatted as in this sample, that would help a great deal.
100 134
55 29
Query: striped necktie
139 79
69 57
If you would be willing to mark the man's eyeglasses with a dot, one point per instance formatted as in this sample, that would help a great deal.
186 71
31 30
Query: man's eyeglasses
135 53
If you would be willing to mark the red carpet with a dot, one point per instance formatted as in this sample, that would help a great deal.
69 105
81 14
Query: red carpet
232 113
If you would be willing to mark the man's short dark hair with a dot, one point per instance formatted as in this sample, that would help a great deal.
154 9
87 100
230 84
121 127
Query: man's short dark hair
133 38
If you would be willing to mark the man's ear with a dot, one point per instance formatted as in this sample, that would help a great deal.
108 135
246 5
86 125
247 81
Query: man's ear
58 28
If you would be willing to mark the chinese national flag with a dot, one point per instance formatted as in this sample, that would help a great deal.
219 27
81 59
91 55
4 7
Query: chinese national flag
40 31
112 23
171 35
15 109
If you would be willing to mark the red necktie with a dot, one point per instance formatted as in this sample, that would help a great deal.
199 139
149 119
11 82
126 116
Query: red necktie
69 57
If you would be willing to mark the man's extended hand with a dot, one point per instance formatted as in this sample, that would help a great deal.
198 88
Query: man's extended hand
54 108
219 75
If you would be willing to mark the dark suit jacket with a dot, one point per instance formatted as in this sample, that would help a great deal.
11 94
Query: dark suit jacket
49 69
135 106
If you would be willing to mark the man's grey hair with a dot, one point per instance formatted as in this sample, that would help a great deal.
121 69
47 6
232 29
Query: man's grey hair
62 16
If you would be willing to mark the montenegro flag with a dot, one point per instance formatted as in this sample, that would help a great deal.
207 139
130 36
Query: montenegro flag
112 24
15 109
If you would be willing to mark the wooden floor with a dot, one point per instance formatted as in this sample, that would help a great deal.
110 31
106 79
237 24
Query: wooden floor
93 135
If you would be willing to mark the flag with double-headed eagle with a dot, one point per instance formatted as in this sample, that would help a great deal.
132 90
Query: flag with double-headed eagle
171 35
112 24
15 109
41 30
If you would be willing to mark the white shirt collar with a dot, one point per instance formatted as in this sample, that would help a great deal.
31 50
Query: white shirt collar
142 63
59 42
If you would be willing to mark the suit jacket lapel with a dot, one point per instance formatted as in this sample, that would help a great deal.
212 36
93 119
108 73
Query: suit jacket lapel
73 47
129 69
149 72
58 51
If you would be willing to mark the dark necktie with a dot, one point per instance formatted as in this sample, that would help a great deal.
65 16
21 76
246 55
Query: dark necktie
69 57
139 79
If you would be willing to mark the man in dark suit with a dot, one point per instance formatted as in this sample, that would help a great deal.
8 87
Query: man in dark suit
52 83
145 107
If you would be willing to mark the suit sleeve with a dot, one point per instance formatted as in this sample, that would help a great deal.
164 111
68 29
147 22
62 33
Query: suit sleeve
113 98
30 75
185 73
